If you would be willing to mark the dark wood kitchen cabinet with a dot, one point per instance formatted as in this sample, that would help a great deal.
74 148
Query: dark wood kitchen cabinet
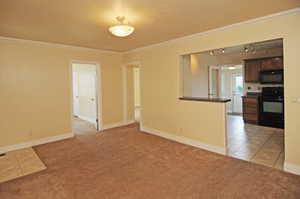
252 69
254 66
251 109
274 63
266 64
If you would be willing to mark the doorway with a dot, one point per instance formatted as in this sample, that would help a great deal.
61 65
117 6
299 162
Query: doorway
237 93
85 96
136 90
226 81
214 81
132 93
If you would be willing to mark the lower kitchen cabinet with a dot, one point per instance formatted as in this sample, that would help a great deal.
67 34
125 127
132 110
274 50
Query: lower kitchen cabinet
251 109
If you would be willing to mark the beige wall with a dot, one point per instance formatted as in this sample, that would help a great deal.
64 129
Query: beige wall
35 89
195 82
161 85
161 109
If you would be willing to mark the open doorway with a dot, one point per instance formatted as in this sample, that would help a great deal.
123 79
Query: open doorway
85 97
250 76
226 81
237 84
132 94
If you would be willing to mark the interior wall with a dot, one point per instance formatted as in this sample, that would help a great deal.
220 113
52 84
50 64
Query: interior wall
195 75
35 89
162 110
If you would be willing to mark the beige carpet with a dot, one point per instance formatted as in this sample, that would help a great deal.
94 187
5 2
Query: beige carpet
19 163
125 163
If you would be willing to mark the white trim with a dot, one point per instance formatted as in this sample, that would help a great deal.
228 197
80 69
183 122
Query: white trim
35 142
184 140
259 19
125 94
125 108
118 124
292 168
58 45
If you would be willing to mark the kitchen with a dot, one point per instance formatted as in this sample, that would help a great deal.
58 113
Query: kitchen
264 106
251 77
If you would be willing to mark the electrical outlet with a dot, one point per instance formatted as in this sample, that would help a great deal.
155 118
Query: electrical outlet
296 100
180 130
30 134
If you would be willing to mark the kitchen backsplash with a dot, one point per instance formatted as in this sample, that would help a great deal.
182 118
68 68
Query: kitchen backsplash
257 87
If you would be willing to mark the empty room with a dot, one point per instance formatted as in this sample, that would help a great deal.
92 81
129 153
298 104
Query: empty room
141 99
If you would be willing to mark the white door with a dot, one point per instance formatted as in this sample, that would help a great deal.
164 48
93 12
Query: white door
75 95
237 92
85 92
87 96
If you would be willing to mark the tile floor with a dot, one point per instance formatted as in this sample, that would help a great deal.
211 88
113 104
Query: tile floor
82 127
19 163
262 145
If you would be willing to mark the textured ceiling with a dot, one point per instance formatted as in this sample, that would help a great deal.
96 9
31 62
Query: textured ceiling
85 22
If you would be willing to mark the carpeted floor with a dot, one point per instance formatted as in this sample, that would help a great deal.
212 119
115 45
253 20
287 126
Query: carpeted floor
124 163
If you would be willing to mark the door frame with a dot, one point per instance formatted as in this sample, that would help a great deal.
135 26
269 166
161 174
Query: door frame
98 95
125 93
232 90
219 83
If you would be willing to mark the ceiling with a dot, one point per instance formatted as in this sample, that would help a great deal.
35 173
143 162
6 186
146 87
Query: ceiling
85 22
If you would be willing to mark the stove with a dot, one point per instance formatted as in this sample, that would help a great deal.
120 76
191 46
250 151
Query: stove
272 107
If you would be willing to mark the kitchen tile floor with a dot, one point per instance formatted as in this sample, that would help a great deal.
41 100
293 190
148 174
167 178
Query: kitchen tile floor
81 127
258 144
19 163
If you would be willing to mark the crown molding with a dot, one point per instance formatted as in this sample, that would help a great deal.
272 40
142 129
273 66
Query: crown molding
259 19
58 45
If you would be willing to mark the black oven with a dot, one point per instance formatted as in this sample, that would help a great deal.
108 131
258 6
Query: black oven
272 107
271 77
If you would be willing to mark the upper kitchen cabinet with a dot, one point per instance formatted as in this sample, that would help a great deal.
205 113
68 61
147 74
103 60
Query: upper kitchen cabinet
254 66
274 63
278 62
252 69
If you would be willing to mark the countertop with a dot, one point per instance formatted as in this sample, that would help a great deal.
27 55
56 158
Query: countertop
206 99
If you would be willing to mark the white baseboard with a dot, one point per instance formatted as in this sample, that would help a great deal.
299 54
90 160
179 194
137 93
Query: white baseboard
184 140
118 124
292 168
6 149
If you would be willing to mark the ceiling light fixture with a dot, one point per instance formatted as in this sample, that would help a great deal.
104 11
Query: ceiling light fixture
211 52
122 29
223 50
